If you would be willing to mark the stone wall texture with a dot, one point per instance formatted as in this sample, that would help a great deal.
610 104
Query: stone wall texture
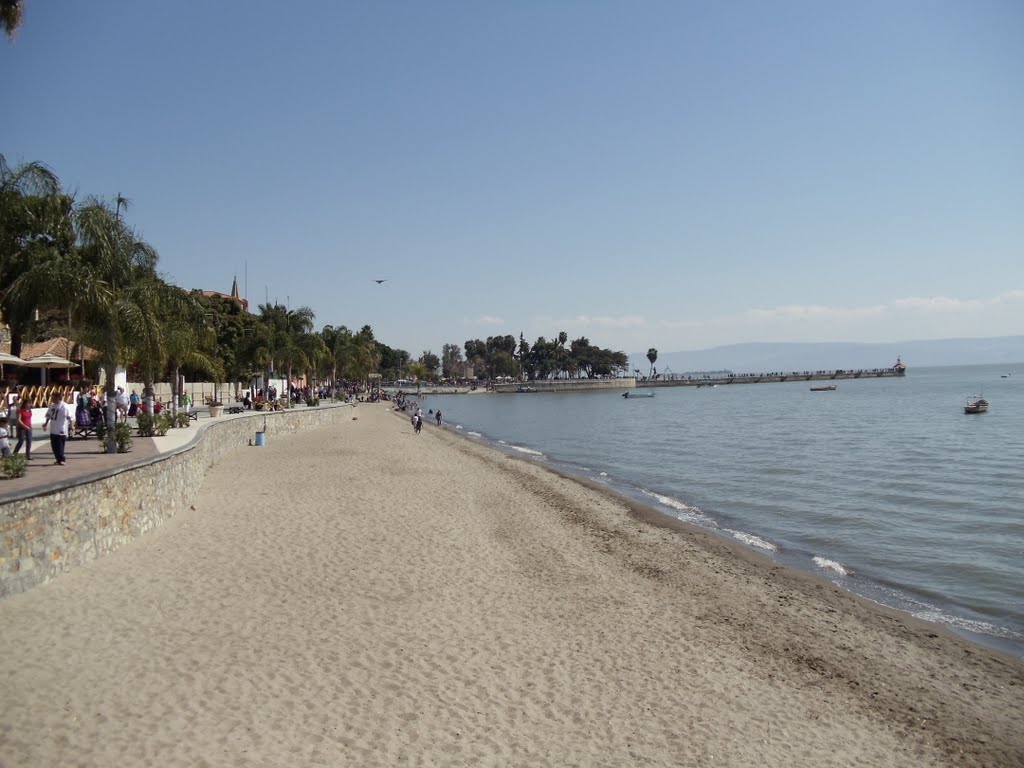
51 531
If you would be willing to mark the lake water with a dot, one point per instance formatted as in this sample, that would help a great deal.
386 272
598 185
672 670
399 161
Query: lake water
884 486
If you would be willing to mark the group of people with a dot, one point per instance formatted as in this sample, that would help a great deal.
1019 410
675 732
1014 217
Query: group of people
57 423
417 415
19 424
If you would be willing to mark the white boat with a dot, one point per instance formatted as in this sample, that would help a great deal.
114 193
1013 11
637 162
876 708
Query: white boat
631 395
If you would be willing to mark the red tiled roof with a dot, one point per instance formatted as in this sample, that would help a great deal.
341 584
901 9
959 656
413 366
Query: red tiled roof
59 346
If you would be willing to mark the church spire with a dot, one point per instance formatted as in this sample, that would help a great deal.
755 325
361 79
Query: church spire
234 289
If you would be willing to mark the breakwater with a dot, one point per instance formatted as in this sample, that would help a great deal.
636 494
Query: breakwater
566 385
676 380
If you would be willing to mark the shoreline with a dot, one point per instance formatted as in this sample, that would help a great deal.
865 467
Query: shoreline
986 632
359 594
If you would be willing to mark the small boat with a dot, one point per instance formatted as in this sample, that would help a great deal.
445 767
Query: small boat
631 395
1006 376
525 389
829 388
976 405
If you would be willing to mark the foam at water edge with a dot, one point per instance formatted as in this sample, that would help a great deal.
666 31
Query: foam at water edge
458 426
472 434
668 501
967 625
529 451
752 541
683 510
831 565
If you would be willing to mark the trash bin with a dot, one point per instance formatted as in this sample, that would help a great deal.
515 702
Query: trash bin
261 438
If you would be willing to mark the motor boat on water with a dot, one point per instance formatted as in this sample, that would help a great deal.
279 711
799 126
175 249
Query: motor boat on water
976 405
632 395
829 388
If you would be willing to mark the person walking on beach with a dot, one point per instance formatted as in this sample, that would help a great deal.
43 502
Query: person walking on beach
56 423
25 428
439 417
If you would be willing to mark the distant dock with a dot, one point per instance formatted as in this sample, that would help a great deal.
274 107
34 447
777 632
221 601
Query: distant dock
708 380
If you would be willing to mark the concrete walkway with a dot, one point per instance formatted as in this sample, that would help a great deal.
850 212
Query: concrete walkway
86 459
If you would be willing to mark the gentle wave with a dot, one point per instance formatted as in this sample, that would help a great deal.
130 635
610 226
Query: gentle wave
528 451
751 540
473 434
831 565
668 501
967 625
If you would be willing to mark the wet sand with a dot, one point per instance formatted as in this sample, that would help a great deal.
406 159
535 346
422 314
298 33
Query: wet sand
360 595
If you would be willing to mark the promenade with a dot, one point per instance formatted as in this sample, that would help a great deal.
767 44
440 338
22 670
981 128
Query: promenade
86 458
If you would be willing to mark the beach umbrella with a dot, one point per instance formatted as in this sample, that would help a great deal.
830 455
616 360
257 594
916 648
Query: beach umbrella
6 358
47 361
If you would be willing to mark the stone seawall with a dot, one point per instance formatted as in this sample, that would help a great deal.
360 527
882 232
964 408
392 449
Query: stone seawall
49 531
567 385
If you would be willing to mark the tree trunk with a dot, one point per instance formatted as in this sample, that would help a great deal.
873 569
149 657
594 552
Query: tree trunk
174 391
110 369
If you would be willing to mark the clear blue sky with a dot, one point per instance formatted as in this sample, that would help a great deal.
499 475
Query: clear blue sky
668 174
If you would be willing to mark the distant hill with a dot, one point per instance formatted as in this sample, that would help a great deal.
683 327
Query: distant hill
796 356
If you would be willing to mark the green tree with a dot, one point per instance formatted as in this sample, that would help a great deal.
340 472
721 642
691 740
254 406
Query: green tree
652 356
338 345
11 14
367 356
430 362
35 226
106 281
451 361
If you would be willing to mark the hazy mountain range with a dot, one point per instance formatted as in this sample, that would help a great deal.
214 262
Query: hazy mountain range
758 357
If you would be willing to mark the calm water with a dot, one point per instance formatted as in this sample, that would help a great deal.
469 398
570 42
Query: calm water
884 486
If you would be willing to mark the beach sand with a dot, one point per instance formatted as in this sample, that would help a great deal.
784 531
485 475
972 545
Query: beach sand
363 596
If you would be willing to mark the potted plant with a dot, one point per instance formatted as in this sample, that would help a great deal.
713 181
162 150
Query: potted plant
216 408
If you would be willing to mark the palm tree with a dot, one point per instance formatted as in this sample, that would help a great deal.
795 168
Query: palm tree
35 222
282 337
338 342
107 283
366 355
11 12
652 355
183 337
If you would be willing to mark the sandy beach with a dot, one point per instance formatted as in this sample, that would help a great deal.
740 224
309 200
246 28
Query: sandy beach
360 595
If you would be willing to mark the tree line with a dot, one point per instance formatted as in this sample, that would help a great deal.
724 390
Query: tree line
81 262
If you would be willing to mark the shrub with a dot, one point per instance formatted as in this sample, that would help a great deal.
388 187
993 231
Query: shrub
123 437
312 401
147 424
181 420
13 466
163 423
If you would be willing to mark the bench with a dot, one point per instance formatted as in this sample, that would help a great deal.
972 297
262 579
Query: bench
235 409
83 430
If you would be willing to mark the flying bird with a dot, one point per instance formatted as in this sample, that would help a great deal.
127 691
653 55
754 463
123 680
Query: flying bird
378 282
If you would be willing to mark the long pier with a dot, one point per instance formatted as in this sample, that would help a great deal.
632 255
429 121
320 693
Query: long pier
680 380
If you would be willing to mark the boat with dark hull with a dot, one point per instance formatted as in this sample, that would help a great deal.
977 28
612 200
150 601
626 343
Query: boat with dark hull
976 405
829 388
